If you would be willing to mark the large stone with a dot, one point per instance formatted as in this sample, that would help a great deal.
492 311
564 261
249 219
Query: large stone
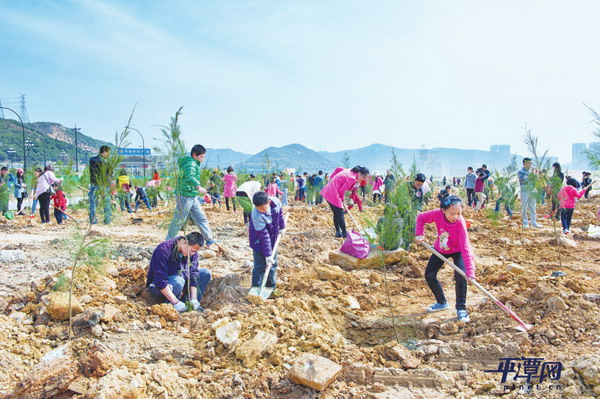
515 268
252 350
588 367
109 312
406 358
12 255
557 304
329 273
50 377
58 306
100 360
165 310
566 241
224 291
352 302
229 333
314 371
373 261
106 284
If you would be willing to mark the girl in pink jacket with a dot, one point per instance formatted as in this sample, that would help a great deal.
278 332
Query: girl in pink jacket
334 192
567 197
229 187
453 242
377 185
273 189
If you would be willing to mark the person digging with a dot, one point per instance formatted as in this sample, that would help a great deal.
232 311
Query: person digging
169 275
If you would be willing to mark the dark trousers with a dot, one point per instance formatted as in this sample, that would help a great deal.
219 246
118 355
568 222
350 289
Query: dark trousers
565 217
258 272
376 197
227 203
471 200
555 208
338 219
44 201
19 204
59 215
363 191
433 267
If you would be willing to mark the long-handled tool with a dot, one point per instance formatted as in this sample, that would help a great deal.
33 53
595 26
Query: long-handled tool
353 220
513 315
65 213
263 291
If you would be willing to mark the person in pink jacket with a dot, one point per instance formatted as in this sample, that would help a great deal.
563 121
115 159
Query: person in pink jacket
377 185
273 189
567 197
334 192
453 242
229 187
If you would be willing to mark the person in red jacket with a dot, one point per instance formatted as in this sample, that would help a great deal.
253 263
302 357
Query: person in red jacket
60 204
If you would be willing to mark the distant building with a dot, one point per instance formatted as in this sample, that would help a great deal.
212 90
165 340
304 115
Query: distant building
431 162
579 159
500 156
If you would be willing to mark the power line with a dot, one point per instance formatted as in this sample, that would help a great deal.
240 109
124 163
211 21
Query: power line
23 110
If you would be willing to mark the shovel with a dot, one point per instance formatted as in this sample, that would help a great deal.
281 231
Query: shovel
360 230
263 291
513 315
65 213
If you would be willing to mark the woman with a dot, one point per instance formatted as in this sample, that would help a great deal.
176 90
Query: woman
554 186
230 187
44 191
377 185
20 191
335 191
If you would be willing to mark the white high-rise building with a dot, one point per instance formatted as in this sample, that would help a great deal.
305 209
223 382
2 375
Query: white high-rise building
579 159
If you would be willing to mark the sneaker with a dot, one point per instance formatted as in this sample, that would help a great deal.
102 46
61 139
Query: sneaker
276 293
525 226
210 242
463 316
338 234
567 232
436 307
537 226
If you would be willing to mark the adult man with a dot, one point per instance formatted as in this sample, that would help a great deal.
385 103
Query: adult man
528 202
470 186
100 182
168 276
186 192
4 190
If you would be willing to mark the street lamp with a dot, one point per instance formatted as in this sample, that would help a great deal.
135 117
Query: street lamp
76 129
11 153
23 129
63 156
28 145
86 150
143 149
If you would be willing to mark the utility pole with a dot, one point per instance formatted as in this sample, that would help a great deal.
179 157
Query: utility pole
76 129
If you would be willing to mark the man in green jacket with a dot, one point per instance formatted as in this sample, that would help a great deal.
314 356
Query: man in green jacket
186 195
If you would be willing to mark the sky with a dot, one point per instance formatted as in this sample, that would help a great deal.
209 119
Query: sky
331 75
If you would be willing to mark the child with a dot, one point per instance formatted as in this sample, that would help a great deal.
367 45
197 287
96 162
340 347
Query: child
123 190
377 185
586 180
60 204
230 187
453 242
273 189
300 191
444 193
266 222
140 196
355 198
479 189
567 198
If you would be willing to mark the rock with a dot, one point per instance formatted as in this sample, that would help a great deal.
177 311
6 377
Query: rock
431 349
352 302
588 367
207 254
97 331
339 340
12 255
58 306
89 317
229 333
252 350
314 371
220 323
329 273
406 358
505 240
449 328
19 317
79 386
566 241
120 299
85 299
51 376
100 360
557 304
592 297
165 310
224 291
111 270
518 301
515 268
118 384
109 313
106 284
373 261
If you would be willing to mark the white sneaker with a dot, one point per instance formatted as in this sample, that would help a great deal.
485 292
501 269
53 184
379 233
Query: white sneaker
463 316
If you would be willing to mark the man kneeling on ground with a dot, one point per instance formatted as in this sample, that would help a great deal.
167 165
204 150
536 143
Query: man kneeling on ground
168 273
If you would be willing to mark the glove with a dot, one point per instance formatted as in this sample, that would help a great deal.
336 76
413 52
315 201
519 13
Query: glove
180 307
270 259
419 239
196 305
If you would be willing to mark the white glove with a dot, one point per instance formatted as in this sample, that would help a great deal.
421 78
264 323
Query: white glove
180 307
270 259
419 239
195 304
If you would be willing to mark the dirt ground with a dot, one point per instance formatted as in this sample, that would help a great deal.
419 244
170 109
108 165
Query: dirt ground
125 345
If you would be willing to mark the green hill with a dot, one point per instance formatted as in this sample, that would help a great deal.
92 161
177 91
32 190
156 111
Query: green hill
53 137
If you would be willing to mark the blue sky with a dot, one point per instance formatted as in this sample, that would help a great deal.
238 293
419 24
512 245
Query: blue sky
330 75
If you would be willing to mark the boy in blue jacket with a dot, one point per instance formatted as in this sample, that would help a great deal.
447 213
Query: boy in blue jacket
266 222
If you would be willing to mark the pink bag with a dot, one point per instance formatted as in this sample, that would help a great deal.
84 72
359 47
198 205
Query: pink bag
356 245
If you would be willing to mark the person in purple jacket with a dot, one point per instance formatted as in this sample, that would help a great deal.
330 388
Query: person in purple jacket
266 222
168 275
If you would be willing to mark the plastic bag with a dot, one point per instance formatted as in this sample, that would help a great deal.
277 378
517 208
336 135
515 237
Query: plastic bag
356 245
594 231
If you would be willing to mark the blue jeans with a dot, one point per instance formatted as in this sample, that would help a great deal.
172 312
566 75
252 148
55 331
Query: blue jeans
124 202
179 286
94 196
184 207
433 267
260 264
145 200
284 199
501 200
528 205
34 206
566 214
